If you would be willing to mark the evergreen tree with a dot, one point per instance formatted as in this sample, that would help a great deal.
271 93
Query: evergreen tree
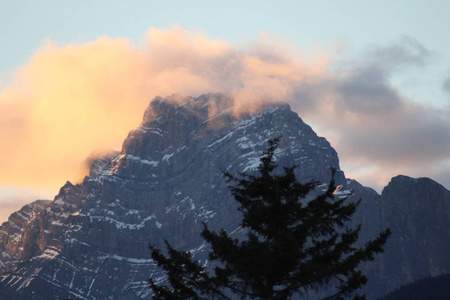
294 243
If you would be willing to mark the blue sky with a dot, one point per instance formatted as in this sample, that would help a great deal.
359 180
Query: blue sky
357 24
394 51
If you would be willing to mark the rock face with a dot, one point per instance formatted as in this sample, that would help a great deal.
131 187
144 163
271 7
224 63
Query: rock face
21 236
418 211
91 242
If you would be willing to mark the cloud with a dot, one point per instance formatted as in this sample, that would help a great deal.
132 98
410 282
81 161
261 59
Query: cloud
388 131
377 131
70 100
446 85
404 52
367 91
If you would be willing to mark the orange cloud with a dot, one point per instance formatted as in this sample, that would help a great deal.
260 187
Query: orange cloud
68 101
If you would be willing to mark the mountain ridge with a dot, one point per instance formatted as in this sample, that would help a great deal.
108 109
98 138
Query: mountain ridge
91 241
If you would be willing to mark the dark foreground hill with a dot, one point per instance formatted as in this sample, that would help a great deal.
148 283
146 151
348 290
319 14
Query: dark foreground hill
91 241
435 288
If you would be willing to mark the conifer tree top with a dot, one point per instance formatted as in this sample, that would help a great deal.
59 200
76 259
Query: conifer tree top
293 243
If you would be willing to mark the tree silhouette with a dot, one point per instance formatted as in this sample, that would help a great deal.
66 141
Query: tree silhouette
294 243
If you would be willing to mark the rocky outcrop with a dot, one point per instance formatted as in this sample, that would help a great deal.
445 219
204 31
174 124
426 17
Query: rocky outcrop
22 234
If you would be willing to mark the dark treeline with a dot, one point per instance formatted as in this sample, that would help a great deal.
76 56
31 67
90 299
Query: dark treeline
435 288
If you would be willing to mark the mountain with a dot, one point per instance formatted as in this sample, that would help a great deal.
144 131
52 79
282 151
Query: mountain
418 211
91 241
16 244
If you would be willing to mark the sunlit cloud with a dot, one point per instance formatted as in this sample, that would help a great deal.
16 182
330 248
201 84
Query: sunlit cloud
68 101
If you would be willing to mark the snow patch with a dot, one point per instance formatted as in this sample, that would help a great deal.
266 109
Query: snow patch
127 259
152 163
220 140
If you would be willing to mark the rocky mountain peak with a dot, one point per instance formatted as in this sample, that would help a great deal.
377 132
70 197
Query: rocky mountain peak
91 242
171 126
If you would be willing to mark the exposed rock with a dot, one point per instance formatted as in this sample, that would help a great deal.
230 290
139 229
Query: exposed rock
418 212
22 234
91 241
166 181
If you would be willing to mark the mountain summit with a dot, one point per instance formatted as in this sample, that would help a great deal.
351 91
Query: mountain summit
91 241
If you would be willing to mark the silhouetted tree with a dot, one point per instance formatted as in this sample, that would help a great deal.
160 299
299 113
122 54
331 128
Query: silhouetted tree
293 244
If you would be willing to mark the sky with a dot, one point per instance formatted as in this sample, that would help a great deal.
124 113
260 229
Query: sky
372 77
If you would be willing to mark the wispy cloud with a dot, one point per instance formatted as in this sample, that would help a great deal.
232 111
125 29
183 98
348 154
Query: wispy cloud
378 131
404 52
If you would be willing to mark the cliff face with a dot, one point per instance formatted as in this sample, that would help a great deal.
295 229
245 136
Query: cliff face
92 240
22 235
418 212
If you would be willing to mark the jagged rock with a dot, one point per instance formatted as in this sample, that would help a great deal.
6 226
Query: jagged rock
166 181
21 236
91 241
